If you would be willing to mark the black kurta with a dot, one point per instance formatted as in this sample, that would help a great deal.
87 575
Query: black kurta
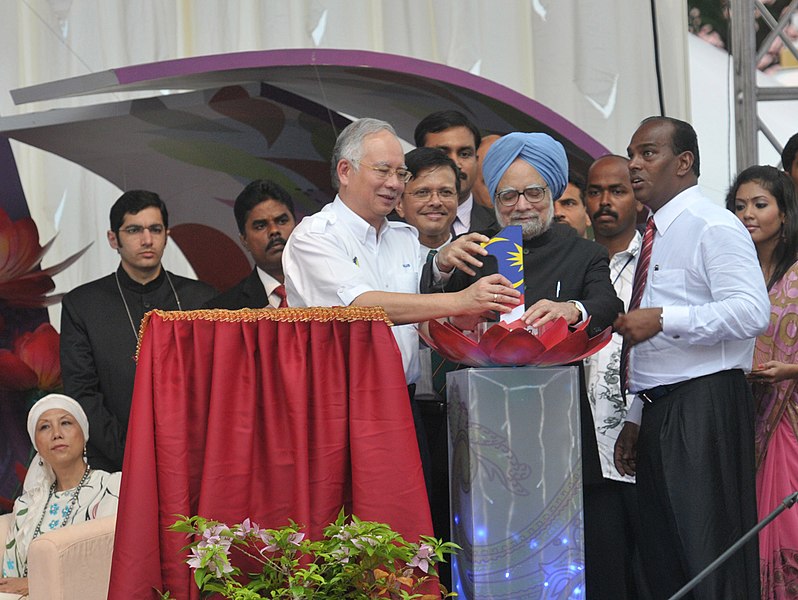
561 266
98 346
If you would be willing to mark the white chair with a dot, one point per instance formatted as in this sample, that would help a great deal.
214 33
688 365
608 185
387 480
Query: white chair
72 563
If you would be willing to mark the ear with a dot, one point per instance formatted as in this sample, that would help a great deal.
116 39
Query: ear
400 207
686 160
243 240
112 240
344 170
639 206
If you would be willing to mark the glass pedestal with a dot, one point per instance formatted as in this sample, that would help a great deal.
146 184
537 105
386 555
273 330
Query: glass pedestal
515 483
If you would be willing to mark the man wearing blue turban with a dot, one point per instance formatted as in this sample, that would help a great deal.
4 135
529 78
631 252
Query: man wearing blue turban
564 276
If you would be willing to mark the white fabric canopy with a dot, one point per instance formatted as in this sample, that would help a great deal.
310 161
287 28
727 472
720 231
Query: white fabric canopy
592 62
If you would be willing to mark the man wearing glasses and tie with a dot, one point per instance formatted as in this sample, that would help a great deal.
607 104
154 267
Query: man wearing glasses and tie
100 321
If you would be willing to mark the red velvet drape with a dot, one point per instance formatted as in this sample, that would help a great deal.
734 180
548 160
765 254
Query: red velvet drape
273 415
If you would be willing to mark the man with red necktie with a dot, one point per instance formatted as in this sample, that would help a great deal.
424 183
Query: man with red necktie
688 435
265 217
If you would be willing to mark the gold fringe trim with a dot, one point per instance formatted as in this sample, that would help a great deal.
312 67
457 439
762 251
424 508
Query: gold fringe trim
346 314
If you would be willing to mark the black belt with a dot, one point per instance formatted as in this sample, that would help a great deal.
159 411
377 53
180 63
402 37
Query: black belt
653 394
660 391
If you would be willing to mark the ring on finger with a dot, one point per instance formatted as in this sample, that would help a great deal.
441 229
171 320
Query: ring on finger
495 296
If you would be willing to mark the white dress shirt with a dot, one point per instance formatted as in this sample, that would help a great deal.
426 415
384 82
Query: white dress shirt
269 284
705 275
462 224
334 256
603 369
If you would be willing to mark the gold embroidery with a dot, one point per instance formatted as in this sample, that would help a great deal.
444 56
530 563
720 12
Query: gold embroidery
346 314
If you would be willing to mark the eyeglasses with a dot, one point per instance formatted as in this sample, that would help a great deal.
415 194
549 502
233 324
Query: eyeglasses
139 229
534 194
425 194
386 172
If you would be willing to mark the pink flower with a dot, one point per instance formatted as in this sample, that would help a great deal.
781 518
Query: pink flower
421 559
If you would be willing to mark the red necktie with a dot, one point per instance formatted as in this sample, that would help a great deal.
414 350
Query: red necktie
280 291
638 287
641 272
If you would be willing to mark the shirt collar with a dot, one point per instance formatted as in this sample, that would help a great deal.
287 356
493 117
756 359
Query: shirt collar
427 248
674 207
464 211
634 246
140 288
357 224
269 282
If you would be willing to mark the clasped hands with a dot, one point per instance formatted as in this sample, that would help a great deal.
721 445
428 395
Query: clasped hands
464 253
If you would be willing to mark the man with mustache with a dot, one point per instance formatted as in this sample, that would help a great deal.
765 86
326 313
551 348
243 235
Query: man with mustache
570 207
265 216
453 133
613 210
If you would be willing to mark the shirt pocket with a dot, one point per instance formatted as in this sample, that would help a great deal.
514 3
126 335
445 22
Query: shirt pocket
405 281
668 287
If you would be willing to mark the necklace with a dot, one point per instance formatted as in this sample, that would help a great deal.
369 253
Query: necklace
70 507
127 308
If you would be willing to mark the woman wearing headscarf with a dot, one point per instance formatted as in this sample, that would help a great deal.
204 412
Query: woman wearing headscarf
60 488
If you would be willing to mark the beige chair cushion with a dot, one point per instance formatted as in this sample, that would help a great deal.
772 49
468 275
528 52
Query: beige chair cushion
70 563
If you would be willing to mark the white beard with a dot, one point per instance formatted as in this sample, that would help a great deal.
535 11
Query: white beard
529 229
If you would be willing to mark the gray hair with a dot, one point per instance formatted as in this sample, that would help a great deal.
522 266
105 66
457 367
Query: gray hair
349 144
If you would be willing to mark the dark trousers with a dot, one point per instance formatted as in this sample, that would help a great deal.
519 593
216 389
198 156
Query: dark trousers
612 532
697 489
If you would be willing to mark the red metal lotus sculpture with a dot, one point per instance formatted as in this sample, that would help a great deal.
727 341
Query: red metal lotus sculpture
510 344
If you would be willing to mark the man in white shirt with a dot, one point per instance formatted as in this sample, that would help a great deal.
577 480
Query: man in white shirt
452 132
350 254
703 303
613 209
265 216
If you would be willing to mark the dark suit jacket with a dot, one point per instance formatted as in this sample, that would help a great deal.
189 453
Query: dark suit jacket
581 267
482 218
247 293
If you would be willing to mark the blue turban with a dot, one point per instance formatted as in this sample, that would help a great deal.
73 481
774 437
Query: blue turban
538 149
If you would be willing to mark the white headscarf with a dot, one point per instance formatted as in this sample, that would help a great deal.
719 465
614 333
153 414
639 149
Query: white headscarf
40 474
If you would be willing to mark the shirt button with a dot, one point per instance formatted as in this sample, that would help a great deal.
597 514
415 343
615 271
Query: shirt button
526 250
147 305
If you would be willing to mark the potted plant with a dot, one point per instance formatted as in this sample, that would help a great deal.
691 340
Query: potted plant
354 560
